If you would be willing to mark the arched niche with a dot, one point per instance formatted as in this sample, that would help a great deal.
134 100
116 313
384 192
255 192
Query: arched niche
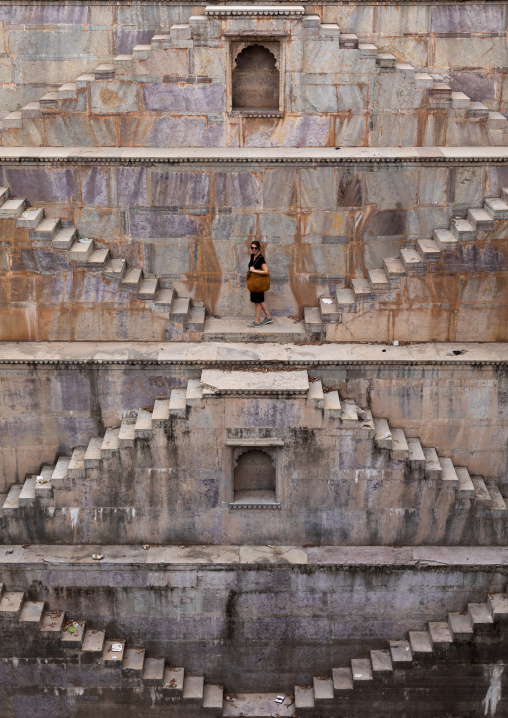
254 475
255 78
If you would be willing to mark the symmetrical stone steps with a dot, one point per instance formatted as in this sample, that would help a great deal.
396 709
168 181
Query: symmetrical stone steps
51 232
433 642
181 36
111 652
412 261
423 462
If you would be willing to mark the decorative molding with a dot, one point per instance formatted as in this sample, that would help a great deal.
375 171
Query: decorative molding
254 10
256 443
254 506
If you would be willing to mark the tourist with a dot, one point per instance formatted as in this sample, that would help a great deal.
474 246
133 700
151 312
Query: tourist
258 282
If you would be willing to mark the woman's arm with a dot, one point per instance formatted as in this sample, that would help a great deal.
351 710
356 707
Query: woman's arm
263 270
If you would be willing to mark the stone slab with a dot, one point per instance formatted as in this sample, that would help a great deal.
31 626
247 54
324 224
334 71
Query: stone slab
219 382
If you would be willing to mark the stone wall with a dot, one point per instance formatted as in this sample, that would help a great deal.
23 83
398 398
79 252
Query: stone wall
468 42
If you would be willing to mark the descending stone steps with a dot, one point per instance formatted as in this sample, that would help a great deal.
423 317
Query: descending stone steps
112 652
83 252
412 261
436 640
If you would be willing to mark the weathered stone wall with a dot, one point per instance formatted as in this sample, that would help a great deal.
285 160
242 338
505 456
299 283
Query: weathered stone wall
468 41
268 619
319 226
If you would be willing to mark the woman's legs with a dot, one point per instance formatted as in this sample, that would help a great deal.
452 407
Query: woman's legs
258 312
263 307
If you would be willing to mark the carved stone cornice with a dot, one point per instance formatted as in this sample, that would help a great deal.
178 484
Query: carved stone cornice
254 10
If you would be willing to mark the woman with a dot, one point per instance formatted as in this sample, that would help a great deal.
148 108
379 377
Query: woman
257 265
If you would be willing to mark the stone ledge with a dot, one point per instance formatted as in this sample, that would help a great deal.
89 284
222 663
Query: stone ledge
238 354
270 155
243 10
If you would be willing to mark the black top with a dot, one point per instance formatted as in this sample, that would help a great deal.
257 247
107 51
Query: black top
258 262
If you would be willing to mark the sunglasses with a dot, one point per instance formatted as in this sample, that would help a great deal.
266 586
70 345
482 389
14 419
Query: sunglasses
252 247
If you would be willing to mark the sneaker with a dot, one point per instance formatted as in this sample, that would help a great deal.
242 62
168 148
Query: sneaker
255 324
267 320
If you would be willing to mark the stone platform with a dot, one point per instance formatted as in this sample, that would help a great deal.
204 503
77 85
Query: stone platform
236 329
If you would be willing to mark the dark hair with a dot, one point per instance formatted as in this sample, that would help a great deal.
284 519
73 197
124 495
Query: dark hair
254 241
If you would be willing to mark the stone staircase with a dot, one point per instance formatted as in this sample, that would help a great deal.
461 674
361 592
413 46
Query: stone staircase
52 233
76 97
414 260
324 695
132 662
50 488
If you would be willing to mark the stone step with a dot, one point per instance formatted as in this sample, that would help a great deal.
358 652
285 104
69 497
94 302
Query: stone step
12 208
367 49
92 457
81 251
405 67
133 661
153 671
316 394
4 195
52 624
349 415
497 506
304 700
423 81
30 218
348 41
163 301
172 683
466 488
460 626
331 404
480 218
496 207
365 419
68 91
428 250
49 101
60 477
400 449
196 320
122 61
381 661
394 268
98 259
11 604
361 669
448 474
401 653
126 434
213 697
420 643
498 605
147 288
43 485
342 679
12 121
110 442
312 319
383 438
141 52
131 279
84 80
106 71
160 414
497 121
386 59
440 90
504 193
194 391
73 634
481 495
345 300
362 290
12 501
161 41
445 239
143 425
93 641
31 613
328 310
180 309
463 230
378 280
64 238
433 468
413 263
76 468
323 689
177 402
460 101
440 634
480 616
193 689
27 494
115 269
46 229
416 456
478 110
112 657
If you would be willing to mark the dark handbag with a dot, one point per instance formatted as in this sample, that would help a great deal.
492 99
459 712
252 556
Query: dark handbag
258 283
